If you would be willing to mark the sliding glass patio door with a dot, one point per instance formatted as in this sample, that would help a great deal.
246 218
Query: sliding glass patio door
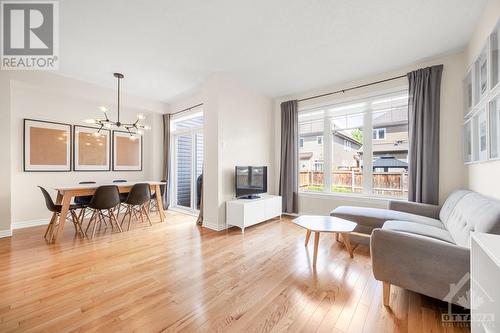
187 134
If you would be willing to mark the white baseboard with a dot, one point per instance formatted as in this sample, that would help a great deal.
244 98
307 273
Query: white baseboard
214 227
5 233
32 223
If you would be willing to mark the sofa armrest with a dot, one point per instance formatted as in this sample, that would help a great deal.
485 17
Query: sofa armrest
422 264
431 211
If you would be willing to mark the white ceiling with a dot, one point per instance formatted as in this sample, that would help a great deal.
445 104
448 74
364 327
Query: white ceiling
166 48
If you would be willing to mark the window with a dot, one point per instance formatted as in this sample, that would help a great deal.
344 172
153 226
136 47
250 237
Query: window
301 142
187 160
378 133
347 145
363 150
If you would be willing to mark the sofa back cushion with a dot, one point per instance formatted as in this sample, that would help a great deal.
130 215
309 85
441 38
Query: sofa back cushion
466 211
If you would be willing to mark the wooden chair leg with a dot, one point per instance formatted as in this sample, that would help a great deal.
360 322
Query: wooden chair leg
112 218
51 223
92 217
386 292
147 215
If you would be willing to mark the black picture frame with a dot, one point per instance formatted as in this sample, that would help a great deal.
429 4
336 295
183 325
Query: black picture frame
27 168
139 137
75 168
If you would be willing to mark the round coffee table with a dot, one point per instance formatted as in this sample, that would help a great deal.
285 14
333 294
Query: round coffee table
318 224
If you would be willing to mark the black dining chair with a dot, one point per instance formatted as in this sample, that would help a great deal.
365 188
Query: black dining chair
136 202
124 195
83 200
153 206
105 199
56 212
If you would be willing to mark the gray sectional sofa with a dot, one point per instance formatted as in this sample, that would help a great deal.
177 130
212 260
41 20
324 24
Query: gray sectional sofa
423 247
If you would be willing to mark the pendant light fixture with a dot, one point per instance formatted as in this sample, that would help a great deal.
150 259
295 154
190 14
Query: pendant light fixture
134 129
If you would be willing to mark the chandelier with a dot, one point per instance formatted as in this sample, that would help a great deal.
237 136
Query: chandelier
134 129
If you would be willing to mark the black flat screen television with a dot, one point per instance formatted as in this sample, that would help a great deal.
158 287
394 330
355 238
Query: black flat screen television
250 180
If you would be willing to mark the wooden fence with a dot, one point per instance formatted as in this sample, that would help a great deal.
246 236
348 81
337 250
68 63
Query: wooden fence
393 184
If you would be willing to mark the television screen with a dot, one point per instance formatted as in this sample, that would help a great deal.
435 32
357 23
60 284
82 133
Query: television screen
250 180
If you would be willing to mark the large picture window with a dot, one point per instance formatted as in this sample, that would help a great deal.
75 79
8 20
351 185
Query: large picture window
364 149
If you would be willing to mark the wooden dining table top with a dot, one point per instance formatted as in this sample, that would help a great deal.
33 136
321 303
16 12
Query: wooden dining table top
63 188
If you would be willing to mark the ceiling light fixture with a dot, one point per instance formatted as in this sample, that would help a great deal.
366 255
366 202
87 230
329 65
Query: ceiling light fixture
134 129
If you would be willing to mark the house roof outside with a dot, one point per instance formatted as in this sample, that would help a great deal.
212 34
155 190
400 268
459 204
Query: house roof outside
389 162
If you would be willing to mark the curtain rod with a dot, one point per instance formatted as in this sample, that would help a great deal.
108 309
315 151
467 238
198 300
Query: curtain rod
187 109
352 88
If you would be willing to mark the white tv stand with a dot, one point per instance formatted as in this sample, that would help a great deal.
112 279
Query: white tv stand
243 213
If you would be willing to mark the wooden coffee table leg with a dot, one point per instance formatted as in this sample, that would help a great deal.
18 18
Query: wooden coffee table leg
316 242
308 234
347 243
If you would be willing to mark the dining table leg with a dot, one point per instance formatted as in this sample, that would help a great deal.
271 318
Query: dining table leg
65 202
159 201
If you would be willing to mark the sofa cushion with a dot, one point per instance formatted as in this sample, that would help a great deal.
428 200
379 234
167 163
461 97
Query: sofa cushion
419 229
375 217
467 211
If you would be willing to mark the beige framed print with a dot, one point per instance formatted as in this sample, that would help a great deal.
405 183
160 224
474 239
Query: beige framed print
127 152
91 149
46 146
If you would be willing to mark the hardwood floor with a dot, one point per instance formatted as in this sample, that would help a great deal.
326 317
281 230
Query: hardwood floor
176 276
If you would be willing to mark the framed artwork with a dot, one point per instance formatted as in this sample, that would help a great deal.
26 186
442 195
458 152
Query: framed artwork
468 146
91 151
482 135
494 132
127 152
46 146
481 75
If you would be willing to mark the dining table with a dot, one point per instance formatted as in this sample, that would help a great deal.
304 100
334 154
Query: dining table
65 195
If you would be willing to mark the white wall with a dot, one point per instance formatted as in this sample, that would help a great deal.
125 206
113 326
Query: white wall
483 177
452 170
45 96
238 130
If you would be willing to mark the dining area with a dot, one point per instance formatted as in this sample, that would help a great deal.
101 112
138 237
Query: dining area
91 206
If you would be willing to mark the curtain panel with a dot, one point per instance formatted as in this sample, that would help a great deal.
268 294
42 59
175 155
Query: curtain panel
289 184
424 97
166 159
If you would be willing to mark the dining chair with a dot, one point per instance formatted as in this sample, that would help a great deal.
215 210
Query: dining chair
83 200
153 206
105 199
124 195
136 202
56 212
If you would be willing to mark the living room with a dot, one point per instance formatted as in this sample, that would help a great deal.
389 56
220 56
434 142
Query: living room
170 174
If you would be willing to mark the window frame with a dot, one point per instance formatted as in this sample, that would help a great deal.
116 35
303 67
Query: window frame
378 130
367 143
174 134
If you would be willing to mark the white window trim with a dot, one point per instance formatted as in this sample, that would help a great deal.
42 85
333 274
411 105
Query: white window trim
193 131
367 143
378 130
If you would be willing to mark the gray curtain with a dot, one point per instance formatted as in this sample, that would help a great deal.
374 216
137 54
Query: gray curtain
166 159
423 122
289 184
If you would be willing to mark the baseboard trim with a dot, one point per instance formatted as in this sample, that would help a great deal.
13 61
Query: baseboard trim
5 233
32 223
214 227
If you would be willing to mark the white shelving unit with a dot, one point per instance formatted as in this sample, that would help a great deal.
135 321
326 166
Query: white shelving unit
243 213
485 274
